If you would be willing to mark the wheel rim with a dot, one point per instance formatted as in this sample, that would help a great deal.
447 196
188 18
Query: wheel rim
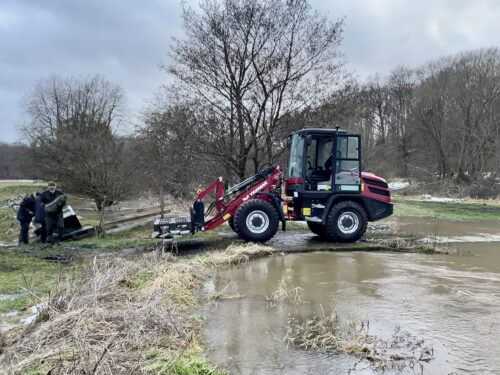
257 221
348 222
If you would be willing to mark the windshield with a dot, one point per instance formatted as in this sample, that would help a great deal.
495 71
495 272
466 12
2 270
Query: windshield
296 157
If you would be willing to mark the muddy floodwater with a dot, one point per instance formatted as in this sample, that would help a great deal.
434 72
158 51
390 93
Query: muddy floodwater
451 302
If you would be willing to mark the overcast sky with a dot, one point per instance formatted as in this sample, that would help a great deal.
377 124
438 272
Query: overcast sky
126 40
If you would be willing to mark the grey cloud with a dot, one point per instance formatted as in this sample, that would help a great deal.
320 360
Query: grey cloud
125 40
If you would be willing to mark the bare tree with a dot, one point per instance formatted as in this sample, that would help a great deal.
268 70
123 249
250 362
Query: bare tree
475 89
457 109
169 151
71 130
401 84
247 65
165 155
13 162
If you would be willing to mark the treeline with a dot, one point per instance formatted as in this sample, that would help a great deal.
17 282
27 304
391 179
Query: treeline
245 75
435 123
13 163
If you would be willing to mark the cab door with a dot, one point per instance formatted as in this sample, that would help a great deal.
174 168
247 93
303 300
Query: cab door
347 163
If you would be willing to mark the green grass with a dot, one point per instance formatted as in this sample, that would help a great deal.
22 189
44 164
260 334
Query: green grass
36 369
15 303
12 189
141 278
138 236
20 271
184 365
26 278
459 210
9 226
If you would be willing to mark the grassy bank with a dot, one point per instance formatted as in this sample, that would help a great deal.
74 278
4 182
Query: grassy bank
12 188
120 315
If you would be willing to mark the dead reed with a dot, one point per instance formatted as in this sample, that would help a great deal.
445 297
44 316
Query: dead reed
326 334
234 254
286 294
106 318
118 316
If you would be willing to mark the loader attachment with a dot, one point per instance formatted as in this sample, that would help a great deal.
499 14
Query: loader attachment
169 227
224 205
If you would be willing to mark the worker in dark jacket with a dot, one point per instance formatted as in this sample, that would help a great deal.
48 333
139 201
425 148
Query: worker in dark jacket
53 201
24 215
40 217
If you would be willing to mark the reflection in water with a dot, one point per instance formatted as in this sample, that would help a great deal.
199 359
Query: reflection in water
450 301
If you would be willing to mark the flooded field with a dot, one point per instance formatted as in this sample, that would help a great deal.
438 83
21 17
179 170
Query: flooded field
451 302
449 231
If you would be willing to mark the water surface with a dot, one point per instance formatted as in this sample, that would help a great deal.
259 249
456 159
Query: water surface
452 302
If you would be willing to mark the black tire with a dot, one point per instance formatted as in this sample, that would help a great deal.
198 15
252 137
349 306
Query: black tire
346 222
256 220
231 224
317 228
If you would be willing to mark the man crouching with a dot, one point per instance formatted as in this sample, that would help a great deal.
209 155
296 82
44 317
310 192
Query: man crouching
24 215
53 201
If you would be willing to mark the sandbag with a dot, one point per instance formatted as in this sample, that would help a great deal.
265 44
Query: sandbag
56 205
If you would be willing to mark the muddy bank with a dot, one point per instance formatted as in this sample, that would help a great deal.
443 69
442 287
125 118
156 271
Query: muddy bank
120 315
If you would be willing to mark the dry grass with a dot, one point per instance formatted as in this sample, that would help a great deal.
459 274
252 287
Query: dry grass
234 254
115 312
228 292
288 295
325 334
105 320
132 316
314 333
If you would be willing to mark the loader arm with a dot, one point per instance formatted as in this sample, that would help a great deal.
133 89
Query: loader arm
266 181
264 185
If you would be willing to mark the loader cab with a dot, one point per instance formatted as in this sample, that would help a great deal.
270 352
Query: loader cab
322 162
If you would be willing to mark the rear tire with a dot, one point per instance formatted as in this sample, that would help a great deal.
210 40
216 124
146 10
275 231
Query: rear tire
318 229
256 220
346 222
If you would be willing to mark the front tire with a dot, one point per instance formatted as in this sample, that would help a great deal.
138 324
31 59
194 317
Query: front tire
231 224
256 220
346 222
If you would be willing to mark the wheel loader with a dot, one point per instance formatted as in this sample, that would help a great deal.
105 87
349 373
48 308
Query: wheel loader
323 185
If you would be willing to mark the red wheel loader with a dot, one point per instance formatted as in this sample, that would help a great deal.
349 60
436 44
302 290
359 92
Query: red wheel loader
323 185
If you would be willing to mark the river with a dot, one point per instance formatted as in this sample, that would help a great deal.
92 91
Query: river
450 301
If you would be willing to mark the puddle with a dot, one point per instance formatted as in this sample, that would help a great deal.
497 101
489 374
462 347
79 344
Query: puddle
18 318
